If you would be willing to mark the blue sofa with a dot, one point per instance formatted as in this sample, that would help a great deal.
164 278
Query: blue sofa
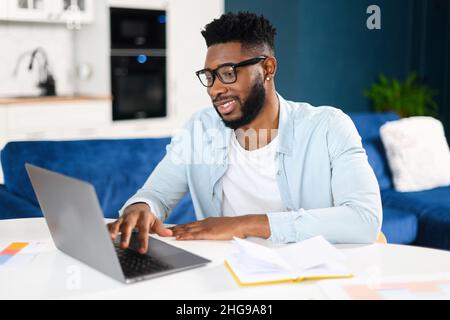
117 168
417 218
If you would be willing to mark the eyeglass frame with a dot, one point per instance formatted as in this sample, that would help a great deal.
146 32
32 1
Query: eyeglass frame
215 75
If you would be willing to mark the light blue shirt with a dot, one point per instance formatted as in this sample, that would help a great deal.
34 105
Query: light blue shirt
326 183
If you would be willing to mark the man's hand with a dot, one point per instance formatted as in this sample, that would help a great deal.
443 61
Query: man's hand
139 216
224 228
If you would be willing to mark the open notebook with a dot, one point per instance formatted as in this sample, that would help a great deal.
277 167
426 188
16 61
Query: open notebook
314 258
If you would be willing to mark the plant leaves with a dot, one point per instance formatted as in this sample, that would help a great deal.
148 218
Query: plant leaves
407 98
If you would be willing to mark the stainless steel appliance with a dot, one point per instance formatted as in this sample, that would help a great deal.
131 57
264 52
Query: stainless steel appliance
138 63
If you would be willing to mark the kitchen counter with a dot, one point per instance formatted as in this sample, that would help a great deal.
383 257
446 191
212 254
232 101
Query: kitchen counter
38 99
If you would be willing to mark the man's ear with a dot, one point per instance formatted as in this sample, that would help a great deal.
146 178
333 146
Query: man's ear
270 66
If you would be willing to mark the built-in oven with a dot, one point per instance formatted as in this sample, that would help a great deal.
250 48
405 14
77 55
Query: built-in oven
138 28
138 63
138 86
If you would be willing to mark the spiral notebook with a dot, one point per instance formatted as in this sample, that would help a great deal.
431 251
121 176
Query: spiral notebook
315 258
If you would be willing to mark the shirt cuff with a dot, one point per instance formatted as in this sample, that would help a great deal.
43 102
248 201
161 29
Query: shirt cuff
143 200
282 226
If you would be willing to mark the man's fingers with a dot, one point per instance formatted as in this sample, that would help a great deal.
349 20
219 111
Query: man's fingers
190 232
160 230
114 228
198 235
178 228
188 227
185 226
110 226
144 229
127 230
184 230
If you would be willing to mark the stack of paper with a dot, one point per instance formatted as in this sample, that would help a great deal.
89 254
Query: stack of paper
314 258
18 254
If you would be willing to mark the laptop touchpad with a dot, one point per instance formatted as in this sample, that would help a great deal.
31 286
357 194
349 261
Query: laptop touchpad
156 248
159 248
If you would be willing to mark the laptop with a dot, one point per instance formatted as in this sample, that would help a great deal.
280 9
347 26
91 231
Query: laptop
75 219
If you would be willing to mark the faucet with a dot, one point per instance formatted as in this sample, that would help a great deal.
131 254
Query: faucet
47 82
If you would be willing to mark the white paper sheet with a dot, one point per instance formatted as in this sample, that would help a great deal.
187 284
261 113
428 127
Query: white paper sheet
314 257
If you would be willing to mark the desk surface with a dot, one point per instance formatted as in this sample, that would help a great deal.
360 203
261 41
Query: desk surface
56 275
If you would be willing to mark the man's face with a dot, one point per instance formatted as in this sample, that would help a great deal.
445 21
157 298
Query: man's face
239 103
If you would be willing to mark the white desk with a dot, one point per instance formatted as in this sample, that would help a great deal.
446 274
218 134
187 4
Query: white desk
56 275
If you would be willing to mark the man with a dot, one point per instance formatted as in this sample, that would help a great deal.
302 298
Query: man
256 164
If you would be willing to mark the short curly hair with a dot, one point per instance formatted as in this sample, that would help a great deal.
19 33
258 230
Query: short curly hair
252 31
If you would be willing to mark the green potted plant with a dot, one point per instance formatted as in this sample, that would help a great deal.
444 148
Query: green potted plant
407 99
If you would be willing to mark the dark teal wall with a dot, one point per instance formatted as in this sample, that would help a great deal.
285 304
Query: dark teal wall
327 56
284 16
340 57
432 54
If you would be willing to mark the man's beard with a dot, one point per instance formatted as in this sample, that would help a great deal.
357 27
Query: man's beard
250 108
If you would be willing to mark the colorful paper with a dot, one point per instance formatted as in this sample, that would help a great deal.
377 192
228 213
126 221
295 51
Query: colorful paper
11 250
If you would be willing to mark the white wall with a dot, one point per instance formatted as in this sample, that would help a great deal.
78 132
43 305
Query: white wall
17 38
91 46
187 52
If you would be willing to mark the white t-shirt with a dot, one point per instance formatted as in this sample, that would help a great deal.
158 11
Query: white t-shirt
250 182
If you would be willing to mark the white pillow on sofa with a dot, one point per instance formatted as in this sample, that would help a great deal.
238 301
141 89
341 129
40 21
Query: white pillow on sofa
417 153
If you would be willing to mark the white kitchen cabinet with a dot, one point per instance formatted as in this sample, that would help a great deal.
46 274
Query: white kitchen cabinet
31 10
68 120
28 118
51 11
3 10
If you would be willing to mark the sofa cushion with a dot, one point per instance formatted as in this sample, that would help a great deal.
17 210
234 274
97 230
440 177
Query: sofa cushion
417 153
419 202
116 168
432 207
399 226
368 125
434 228
13 206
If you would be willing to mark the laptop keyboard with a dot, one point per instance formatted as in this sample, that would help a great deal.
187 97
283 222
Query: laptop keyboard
135 264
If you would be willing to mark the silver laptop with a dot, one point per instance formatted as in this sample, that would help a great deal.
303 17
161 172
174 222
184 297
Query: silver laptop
77 226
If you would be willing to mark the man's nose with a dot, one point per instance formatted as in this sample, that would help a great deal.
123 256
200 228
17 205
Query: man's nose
216 89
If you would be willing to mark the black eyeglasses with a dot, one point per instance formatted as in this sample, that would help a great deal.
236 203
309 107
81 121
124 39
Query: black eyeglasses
225 72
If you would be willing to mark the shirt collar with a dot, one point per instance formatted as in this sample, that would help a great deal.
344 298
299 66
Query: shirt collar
285 129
